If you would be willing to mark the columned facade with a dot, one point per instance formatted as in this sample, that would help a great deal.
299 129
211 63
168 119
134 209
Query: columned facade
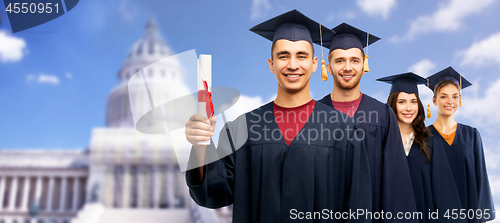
123 175
23 175
144 187
21 200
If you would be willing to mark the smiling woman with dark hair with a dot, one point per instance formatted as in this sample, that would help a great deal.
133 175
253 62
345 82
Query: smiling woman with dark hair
410 114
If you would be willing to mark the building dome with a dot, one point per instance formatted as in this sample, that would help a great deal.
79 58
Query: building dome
150 47
165 77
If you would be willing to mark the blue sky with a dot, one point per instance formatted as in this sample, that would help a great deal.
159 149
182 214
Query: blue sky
55 78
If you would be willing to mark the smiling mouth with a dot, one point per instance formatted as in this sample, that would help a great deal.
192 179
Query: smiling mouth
347 77
407 115
292 75
449 107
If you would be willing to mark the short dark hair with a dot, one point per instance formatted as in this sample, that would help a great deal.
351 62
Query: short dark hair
272 50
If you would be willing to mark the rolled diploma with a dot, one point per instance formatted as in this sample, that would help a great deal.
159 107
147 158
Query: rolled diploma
204 73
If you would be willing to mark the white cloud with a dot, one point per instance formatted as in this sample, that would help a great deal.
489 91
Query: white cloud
495 190
482 110
43 79
483 52
11 48
448 17
377 7
259 9
426 96
422 67
128 10
494 184
491 154
69 75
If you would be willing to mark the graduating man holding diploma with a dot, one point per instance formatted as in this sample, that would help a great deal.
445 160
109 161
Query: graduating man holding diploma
289 160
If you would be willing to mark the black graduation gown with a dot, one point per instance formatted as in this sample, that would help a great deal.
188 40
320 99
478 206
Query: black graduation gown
433 183
266 180
466 158
391 184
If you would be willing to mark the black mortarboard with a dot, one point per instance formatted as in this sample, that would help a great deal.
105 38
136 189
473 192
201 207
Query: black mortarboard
293 26
448 74
406 82
347 37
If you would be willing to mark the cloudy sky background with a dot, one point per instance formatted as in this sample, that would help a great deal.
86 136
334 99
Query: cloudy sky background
55 77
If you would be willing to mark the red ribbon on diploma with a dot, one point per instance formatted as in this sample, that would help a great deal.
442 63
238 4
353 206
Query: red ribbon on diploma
206 96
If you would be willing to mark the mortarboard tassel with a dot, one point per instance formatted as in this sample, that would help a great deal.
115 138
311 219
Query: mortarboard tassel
324 75
428 102
365 63
428 110
460 91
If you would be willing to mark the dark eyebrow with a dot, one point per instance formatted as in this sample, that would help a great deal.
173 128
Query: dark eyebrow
303 53
343 58
282 52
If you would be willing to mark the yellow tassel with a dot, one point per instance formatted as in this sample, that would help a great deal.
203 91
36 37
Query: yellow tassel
324 75
460 91
365 64
428 110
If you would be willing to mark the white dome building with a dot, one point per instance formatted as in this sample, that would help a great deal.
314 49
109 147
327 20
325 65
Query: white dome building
165 77
132 174
124 175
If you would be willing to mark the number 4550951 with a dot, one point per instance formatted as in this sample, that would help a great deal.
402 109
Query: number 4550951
32 8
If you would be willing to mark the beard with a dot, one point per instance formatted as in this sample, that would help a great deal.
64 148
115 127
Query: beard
339 82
